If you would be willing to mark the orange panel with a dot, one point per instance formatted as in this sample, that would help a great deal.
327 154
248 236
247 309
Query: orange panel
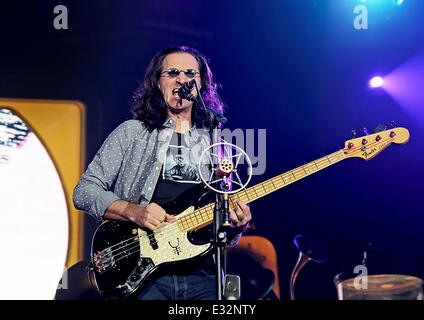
60 125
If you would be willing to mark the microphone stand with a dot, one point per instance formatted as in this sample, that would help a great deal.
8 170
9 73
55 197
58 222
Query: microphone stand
219 236
221 214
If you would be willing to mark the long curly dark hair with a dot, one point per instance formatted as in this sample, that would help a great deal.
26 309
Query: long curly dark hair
149 105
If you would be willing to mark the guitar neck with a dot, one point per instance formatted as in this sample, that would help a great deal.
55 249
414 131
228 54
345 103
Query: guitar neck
204 216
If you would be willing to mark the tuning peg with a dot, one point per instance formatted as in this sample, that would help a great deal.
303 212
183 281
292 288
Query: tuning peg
380 128
366 131
393 124
353 134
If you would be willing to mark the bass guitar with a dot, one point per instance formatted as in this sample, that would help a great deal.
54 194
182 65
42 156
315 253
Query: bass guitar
124 256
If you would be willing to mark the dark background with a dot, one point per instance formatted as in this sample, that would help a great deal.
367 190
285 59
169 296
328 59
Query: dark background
296 68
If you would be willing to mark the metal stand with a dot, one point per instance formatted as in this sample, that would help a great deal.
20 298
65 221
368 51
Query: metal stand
219 240
219 236
221 219
309 250
221 223
232 287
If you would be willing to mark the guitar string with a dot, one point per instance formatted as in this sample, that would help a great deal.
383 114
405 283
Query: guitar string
170 232
99 257
327 158
167 228
100 253
137 249
129 253
245 194
242 196
128 248
104 263
110 255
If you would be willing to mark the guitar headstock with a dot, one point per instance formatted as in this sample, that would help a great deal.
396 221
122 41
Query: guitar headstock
369 146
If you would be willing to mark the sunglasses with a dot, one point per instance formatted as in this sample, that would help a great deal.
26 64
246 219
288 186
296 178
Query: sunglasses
173 73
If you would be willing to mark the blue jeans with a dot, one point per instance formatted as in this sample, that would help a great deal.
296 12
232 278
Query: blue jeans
196 282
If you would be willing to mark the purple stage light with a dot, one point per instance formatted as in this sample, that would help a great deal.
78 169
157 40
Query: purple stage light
405 86
376 82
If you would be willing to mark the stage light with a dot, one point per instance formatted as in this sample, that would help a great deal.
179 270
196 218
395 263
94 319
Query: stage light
404 85
394 2
376 82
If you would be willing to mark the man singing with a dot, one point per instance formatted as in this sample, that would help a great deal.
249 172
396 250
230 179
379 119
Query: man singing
134 174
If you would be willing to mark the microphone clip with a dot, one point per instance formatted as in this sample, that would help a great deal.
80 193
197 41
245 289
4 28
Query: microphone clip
184 92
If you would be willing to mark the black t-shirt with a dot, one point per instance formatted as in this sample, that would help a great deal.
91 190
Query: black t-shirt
179 172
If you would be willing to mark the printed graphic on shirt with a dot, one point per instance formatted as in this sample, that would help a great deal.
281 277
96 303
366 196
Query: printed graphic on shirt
179 165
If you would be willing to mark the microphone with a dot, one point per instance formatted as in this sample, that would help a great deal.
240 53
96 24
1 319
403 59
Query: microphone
225 167
184 92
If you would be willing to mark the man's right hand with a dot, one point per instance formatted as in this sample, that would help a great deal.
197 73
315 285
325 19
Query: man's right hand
146 216
150 216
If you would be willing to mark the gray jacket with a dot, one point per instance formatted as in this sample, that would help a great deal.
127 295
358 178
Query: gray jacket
128 165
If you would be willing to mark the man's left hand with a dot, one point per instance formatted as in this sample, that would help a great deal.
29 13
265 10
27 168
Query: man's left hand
240 216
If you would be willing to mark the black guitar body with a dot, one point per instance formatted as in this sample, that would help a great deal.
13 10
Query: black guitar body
119 270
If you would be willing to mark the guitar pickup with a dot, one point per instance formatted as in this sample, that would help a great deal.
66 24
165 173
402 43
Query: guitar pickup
152 240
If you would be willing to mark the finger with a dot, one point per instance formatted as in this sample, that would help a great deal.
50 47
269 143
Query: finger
149 226
169 217
160 217
154 221
240 218
237 219
157 209
233 215
157 212
240 214
242 205
245 209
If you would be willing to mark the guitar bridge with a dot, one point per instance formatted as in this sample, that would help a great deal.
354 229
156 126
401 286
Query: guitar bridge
103 260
